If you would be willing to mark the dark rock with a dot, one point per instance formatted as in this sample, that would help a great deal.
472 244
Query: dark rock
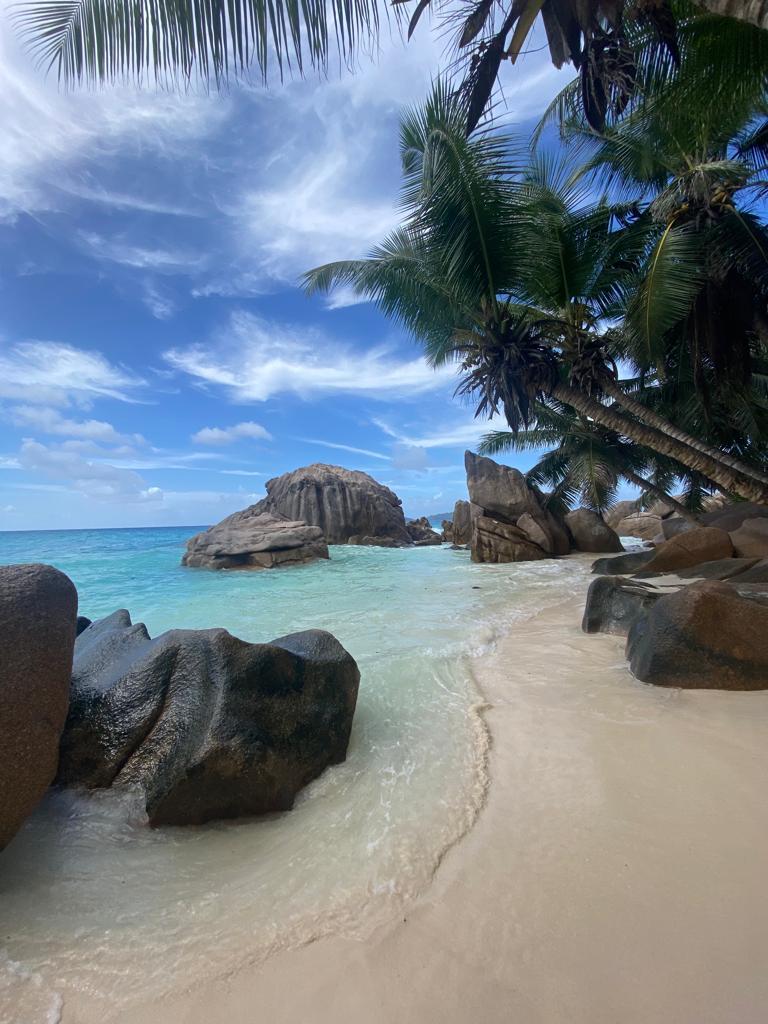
343 503
447 528
721 569
613 604
706 635
623 565
38 614
208 726
421 533
253 539
750 540
756 573
704 544
463 514
732 516
493 541
591 533
82 624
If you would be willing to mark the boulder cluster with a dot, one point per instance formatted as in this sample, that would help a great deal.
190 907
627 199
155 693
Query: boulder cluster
694 609
204 725
305 511
506 519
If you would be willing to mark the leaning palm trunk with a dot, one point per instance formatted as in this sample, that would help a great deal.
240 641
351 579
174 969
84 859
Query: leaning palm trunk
661 495
754 12
652 419
712 469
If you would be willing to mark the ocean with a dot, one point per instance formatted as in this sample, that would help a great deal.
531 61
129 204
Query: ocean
90 896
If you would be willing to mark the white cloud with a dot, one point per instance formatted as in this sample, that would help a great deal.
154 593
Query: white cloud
454 435
119 250
226 435
51 421
97 480
256 358
242 472
343 447
52 373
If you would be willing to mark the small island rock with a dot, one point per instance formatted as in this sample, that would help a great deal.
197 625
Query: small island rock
253 539
421 533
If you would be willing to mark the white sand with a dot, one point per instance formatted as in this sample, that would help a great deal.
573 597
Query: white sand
616 875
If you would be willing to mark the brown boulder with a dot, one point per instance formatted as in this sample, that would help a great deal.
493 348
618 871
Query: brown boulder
704 544
38 615
253 539
750 540
493 541
731 517
421 533
591 533
707 635
463 514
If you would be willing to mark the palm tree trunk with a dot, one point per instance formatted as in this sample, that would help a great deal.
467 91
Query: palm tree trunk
755 12
648 437
653 419
661 494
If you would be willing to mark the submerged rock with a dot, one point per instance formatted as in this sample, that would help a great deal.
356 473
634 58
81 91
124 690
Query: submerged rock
342 503
707 635
421 533
253 539
38 614
591 533
207 725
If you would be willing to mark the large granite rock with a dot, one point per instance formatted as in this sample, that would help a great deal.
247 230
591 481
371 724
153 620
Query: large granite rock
343 503
591 533
750 540
720 569
623 565
421 533
206 725
502 495
613 604
707 635
731 516
704 544
38 615
253 539
463 514
494 541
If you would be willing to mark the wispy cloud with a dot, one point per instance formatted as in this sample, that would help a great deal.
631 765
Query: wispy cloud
97 480
120 250
51 421
226 435
53 373
344 447
453 435
254 359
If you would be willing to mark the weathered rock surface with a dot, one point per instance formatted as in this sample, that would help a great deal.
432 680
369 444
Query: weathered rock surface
623 565
591 533
750 540
707 635
343 503
731 516
463 514
38 614
503 495
614 602
494 541
720 569
447 528
643 525
254 539
705 544
207 725
672 526
421 533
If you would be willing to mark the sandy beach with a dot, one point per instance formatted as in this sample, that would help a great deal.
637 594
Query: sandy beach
614 876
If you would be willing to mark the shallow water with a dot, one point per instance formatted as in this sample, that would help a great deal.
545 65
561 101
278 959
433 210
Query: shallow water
91 899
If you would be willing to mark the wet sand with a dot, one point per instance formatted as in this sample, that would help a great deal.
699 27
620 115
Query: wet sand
616 874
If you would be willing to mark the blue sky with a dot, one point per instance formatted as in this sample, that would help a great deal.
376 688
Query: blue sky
157 362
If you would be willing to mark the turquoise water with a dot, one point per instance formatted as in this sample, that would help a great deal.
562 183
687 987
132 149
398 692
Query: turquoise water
89 895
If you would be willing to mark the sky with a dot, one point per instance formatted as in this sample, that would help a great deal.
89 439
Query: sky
158 362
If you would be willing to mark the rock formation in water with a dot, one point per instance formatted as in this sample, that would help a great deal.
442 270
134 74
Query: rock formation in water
38 614
507 520
254 539
343 503
206 725
421 533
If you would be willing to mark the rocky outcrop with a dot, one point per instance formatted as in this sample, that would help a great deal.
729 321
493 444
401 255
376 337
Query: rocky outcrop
463 514
708 635
421 533
206 725
494 541
622 565
591 533
524 530
704 544
38 614
613 604
254 539
342 503
750 540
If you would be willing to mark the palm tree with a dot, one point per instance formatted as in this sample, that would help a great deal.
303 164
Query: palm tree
606 40
481 246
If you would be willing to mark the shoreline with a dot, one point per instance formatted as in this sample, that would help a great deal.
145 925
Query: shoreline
614 872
